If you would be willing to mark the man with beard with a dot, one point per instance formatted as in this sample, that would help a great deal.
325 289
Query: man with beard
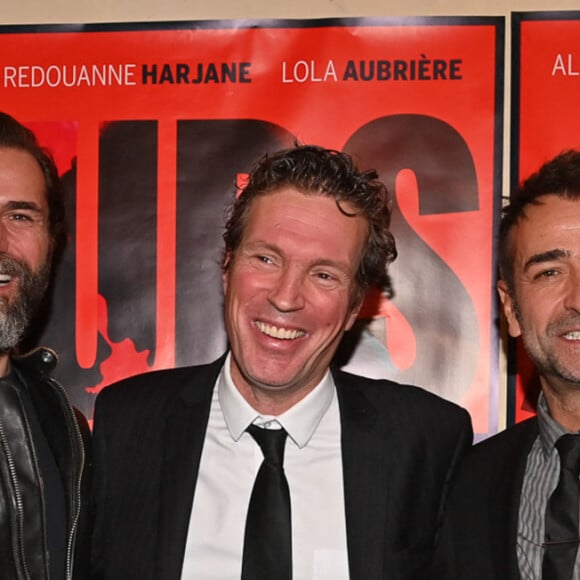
514 508
42 439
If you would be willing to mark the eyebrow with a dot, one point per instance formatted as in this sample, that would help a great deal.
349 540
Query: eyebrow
341 266
322 262
24 205
548 256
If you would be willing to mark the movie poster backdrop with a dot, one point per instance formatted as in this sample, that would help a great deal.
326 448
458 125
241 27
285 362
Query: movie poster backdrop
546 121
154 125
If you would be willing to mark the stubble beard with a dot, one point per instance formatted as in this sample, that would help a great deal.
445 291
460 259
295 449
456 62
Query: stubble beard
544 358
16 312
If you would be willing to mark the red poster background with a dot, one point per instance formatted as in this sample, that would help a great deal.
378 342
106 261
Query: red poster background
546 112
433 130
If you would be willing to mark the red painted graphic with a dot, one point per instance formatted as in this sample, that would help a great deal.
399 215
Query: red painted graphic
153 127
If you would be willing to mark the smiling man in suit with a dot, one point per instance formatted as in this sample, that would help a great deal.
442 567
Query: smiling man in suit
266 463
513 512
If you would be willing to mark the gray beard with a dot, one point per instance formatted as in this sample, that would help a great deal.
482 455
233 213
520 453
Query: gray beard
16 314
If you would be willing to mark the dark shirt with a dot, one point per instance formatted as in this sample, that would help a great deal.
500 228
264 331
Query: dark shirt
54 494
540 479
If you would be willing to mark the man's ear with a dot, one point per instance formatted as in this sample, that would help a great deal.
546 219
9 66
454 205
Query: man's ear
509 309
355 309
225 270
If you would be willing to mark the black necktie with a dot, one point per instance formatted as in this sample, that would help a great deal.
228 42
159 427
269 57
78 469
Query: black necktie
562 514
268 540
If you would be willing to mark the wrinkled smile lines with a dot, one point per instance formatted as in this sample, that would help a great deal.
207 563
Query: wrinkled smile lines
278 332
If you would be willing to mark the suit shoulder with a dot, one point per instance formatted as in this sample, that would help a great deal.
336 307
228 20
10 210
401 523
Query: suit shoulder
407 409
157 386
388 393
511 440
504 452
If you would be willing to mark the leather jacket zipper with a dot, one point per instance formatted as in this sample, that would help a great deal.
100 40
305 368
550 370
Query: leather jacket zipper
18 498
77 491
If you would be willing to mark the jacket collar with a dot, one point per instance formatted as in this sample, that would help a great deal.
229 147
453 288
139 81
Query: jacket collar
366 456
183 442
507 493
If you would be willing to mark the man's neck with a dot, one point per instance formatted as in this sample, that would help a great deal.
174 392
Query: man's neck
564 407
4 364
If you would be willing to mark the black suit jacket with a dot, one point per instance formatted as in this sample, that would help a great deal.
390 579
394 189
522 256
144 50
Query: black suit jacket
399 448
479 536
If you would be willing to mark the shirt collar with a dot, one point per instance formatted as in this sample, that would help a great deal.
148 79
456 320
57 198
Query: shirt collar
550 431
300 421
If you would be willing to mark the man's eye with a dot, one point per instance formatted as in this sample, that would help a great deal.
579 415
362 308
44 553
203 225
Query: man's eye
265 259
324 276
20 217
547 273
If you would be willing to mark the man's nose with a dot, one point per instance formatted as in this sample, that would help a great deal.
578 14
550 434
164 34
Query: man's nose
4 237
572 299
287 292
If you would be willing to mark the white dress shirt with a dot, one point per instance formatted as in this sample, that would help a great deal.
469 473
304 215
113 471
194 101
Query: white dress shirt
230 460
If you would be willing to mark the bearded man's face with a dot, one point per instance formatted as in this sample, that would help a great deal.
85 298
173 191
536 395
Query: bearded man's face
25 245
16 312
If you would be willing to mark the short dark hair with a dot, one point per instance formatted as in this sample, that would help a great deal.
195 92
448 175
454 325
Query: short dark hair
560 177
315 170
14 135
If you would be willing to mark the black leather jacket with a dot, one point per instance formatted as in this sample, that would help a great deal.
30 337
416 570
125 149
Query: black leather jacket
22 526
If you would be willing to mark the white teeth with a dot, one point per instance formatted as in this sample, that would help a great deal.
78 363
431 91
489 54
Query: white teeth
282 333
575 335
5 278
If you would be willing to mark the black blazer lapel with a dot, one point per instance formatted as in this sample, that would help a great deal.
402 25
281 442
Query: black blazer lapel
365 460
504 509
185 429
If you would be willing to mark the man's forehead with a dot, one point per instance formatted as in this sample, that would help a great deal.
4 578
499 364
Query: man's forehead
23 180
546 221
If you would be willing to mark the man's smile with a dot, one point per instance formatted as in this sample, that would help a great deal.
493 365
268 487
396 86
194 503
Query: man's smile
278 332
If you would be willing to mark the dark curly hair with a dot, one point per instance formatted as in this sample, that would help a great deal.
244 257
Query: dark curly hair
560 177
14 135
314 170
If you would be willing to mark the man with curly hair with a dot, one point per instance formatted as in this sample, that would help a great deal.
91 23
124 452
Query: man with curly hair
353 483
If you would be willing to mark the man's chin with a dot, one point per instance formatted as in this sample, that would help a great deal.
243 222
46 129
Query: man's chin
8 298
14 320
